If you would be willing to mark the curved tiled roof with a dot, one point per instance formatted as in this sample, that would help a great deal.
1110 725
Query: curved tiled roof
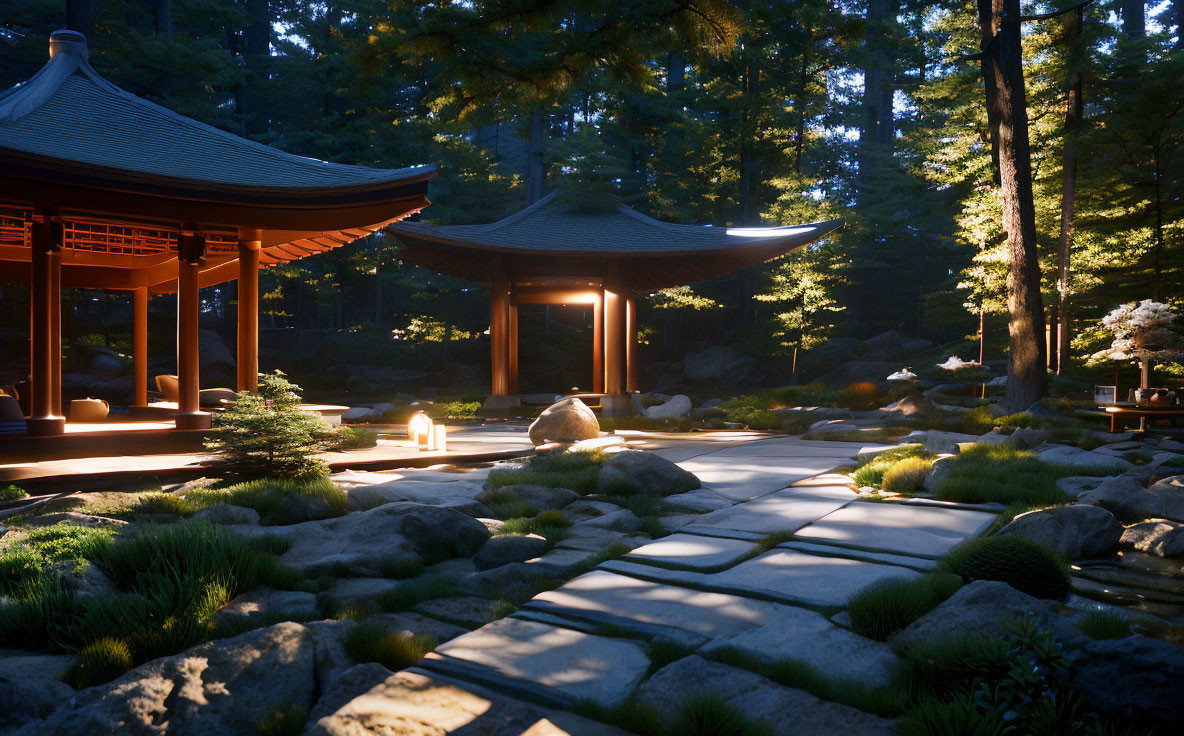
68 113
550 225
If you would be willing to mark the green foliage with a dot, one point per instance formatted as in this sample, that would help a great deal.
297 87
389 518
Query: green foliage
267 434
20 568
632 715
286 720
882 609
906 476
455 410
1023 564
99 662
1001 474
712 715
956 716
12 493
159 503
1100 625
550 524
353 438
413 592
575 471
371 642
873 467
401 566
26 558
279 501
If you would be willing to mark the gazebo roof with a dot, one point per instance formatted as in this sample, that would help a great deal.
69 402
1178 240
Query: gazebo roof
574 243
127 176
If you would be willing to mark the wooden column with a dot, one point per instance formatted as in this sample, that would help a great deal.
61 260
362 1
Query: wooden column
47 239
55 327
140 345
614 337
249 245
192 253
499 314
512 350
631 367
598 344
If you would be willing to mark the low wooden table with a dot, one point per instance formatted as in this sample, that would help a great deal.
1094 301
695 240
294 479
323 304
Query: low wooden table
1131 411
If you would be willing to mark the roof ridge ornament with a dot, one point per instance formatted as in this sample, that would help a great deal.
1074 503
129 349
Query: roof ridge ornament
70 42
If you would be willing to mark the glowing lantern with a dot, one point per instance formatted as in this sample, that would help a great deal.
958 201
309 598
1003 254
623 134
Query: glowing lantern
419 429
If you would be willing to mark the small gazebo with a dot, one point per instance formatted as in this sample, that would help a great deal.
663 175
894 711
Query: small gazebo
101 189
552 253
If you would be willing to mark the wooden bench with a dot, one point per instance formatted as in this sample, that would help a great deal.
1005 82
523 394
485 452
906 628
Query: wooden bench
1120 413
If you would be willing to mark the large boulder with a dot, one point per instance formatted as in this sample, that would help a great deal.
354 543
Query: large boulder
830 356
1134 678
1128 499
1075 531
1161 538
269 604
224 513
214 354
569 420
936 441
676 408
708 365
24 699
509 548
862 371
542 497
915 405
355 681
646 472
221 687
1075 457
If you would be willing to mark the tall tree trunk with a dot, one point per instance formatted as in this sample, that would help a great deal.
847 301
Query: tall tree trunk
1134 19
162 17
257 58
799 137
80 16
1003 74
878 132
1073 113
535 172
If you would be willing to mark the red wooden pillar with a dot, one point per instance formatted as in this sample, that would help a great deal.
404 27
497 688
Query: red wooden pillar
512 348
598 344
47 240
191 253
55 327
249 245
614 337
499 314
631 366
140 345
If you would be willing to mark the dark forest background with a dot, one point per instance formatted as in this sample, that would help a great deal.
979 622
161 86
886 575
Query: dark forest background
692 111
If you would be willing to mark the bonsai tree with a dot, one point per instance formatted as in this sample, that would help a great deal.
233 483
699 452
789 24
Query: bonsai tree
267 435
1141 333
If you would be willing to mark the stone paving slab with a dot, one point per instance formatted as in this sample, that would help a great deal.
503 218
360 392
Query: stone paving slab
786 510
782 448
782 575
923 564
919 530
806 636
620 600
741 479
692 550
572 663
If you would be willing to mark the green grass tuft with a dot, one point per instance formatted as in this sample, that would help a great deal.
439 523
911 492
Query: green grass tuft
12 493
278 501
711 715
576 471
1001 474
882 609
285 720
906 476
99 662
370 642
1023 564
410 594
872 469
1100 625
631 715
549 524
401 566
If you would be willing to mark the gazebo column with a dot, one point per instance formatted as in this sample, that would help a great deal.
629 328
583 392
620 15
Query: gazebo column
47 239
249 245
512 348
598 344
614 404
55 327
192 252
499 340
631 366
140 345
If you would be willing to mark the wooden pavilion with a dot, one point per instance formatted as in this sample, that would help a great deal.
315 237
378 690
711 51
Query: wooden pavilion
100 189
551 253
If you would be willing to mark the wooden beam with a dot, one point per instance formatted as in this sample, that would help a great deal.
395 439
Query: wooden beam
614 331
190 415
512 348
46 238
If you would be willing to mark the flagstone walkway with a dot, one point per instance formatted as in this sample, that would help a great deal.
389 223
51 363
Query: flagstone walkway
709 586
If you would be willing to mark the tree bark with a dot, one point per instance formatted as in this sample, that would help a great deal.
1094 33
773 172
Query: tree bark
879 128
1003 75
1073 113
1134 19
257 58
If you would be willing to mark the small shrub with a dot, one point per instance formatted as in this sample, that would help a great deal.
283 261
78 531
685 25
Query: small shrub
513 509
906 476
266 435
456 410
1000 474
872 469
99 662
158 503
279 501
401 567
394 650
20 569
652 527
881 610
12 493
286 720
353 438
950 667
1024 565
1100 625
711 715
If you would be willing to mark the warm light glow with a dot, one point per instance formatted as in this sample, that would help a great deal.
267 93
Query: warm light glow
419 428
767 232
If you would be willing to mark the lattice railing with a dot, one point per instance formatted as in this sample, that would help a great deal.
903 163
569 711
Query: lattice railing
112 238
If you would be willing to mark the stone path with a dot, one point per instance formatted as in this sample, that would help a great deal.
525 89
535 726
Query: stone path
711 586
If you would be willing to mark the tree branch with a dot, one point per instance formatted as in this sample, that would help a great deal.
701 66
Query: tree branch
1055 13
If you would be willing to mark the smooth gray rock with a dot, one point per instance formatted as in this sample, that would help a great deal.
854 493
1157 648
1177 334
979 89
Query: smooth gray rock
936 441
982 608
937 473
1128 499
355 681
328 638
350 593
17 663
693 551
507 548
220 687
1075 485
412 623
699 501
541 496
621 520
25 699
915 405
1025 438
676 408
1040 410
358 414
268 603
569 420
468 611
584 509
1075 457
786 711
224 513
647 472
1075 531
708 365
1161 538
918 530
1133 678
459 495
